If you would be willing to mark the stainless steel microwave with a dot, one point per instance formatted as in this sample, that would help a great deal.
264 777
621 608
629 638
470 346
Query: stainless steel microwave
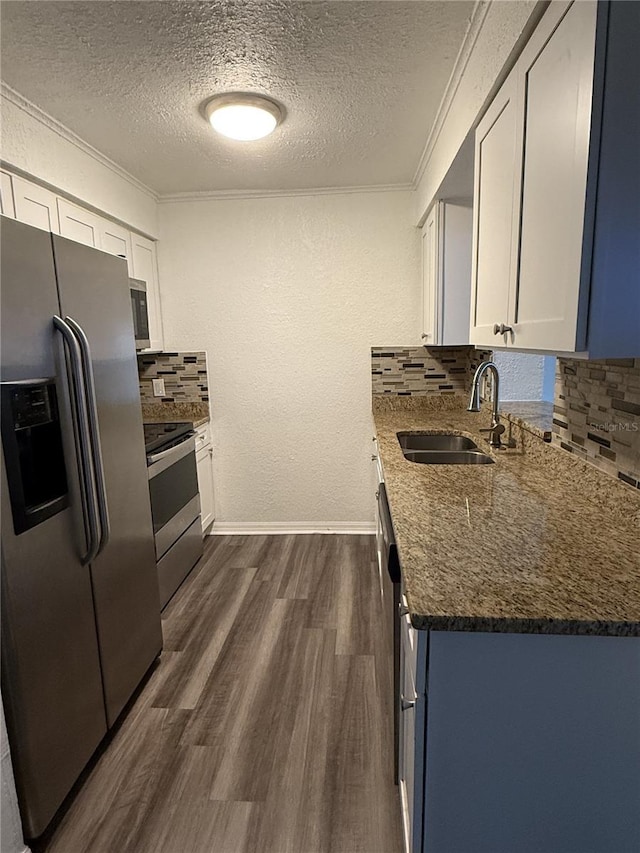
138 290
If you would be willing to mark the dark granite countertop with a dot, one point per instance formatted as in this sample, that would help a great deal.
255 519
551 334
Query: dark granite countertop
539 542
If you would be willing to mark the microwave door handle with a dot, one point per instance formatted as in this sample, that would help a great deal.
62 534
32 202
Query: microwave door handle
94 430
81 439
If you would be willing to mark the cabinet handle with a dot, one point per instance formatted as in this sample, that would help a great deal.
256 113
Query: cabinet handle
373 457
406 704
501 329
425 336
402 610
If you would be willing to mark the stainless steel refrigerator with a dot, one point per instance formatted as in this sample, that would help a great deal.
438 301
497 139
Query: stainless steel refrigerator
80 606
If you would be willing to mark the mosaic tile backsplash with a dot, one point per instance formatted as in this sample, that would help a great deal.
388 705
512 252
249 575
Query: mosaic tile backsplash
184 374
596 414
420 371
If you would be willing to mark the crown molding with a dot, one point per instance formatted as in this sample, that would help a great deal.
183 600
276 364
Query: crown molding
476 22
68 135
220 195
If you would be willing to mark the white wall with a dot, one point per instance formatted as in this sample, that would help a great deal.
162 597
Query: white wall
287 295
37 144
522 375
502 27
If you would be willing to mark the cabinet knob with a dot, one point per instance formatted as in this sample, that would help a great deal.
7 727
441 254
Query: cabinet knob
501 329
373 457
425 336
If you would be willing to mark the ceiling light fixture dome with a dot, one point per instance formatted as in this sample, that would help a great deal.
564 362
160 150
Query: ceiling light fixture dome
243 116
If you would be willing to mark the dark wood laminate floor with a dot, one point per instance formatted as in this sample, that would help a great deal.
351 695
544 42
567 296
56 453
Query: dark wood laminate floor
266 727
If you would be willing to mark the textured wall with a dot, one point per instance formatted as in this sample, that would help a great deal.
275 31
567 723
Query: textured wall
597 414
36 147
521 375
287 296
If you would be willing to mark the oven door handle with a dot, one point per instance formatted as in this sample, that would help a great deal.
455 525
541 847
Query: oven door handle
159 462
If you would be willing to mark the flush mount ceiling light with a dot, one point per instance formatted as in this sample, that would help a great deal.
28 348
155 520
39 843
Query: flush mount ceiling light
243 116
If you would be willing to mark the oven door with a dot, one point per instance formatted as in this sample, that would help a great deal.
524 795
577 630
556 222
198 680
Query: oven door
173 486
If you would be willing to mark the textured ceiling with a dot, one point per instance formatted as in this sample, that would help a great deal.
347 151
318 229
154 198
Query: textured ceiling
361 82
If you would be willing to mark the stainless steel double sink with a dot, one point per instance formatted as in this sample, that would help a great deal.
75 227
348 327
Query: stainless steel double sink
441 449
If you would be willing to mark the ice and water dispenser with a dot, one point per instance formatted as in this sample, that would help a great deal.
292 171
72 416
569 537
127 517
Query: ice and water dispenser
33 453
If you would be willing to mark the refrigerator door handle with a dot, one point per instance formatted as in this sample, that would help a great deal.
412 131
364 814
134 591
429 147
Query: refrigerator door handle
82 439
94 427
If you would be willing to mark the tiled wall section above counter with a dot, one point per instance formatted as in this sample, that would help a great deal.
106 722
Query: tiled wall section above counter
596 414
185 381
419 371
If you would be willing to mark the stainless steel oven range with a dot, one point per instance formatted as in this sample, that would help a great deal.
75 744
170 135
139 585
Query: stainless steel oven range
175 502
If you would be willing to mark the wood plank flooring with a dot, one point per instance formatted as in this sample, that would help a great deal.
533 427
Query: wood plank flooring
267 725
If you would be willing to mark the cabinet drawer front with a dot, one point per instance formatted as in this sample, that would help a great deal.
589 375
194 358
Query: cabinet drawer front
203 437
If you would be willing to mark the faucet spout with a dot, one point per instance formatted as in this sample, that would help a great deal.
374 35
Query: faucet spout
496 429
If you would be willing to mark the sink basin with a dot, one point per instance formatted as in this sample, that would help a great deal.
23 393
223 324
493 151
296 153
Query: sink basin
448 457
413 441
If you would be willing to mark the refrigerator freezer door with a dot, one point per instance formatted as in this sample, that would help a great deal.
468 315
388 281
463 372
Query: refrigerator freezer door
51 682
94 292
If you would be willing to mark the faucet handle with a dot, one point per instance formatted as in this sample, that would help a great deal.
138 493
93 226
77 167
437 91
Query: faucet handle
498 429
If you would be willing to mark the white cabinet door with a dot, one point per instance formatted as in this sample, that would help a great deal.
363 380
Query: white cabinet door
204 460
145 267
454 277
7 207
116 240
494 235
430 278
555 88
78 224
35 205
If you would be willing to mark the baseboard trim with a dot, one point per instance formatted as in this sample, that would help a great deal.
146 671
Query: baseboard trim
271 528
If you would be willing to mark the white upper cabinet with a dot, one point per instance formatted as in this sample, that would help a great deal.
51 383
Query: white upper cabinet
7 207
557 188
116 240
446 274
429 277
556 82
145 267
31 203
35 205
79 224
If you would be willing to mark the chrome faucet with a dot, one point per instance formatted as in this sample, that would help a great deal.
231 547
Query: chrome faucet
496 429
